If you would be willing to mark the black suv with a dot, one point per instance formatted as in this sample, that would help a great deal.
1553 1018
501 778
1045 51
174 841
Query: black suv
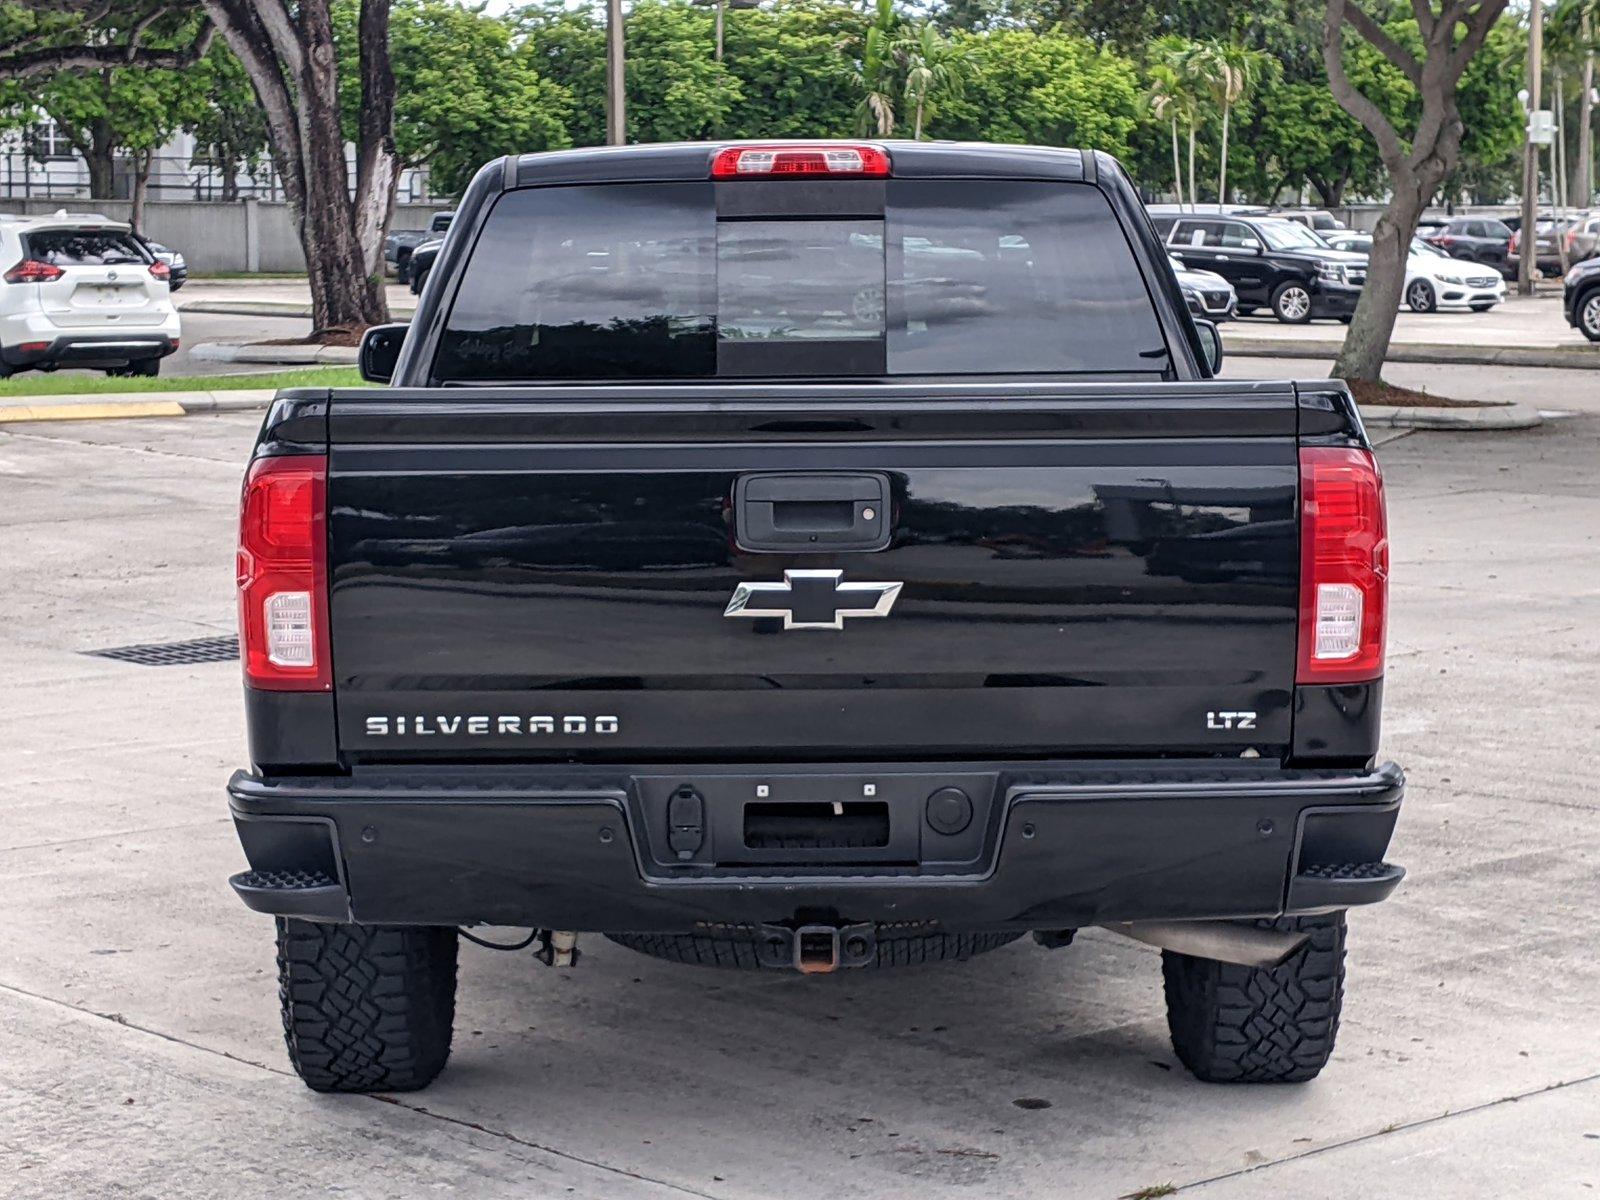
1271 262
1475 239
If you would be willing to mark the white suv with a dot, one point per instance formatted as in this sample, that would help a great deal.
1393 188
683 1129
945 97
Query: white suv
79 290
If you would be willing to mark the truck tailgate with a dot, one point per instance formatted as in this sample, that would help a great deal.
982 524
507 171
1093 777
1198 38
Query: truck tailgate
547 572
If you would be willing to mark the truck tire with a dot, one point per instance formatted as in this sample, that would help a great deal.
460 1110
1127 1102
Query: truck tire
1233 1024
896 947
366 1008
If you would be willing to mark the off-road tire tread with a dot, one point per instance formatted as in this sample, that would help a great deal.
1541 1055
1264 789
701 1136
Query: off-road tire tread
895 949
1233 1024
366 1008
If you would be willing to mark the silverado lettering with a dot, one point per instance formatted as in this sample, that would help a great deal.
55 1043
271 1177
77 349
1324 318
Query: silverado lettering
484 726
566 626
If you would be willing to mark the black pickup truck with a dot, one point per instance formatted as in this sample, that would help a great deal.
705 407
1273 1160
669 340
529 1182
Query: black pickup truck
817 556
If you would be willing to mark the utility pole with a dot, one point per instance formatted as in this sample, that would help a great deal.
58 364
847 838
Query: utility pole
616 82
1527 263
1586 114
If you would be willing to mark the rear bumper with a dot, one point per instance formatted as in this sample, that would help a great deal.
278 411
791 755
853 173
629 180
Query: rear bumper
1049 847
91 349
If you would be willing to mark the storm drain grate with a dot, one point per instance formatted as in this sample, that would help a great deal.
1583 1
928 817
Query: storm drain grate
174 654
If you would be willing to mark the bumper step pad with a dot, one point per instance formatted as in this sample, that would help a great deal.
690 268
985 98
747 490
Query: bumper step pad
1341 885
311 894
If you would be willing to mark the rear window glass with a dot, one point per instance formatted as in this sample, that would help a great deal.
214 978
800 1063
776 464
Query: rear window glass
645 281
83 247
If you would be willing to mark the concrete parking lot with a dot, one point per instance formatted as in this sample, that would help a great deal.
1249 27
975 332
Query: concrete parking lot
140 1053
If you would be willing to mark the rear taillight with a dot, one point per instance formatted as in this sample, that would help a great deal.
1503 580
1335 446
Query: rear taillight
160 270
31 270
282 572
1344 566
801 161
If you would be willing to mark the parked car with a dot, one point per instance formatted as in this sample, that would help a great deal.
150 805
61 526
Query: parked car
80 290
475 697
1580 298
1272 263
177 268
1482 240
1349 240
1435 280
1548 235
1207 294
399 245
1318 219
1583 237
421 263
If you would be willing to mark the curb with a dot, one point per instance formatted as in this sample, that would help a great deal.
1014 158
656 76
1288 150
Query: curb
298 356
1582 358
1487 417
264 308
157 404
16 413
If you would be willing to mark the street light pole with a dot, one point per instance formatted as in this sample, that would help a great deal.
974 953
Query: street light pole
616 82
1527 263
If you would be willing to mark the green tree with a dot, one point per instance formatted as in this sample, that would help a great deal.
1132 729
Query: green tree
933 66
105 112
875 73
229 131
1228 71
455 111
794 80
1050 89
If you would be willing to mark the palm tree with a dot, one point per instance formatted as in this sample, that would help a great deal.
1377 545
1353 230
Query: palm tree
933 64
1179 61
1166 103
875 72
1228 71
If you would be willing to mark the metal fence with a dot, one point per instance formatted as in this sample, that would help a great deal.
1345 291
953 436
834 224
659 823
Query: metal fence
26 176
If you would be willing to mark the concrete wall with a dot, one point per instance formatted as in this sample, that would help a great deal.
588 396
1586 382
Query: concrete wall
252 235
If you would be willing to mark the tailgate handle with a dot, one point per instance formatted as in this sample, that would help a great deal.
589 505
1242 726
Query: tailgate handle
818 511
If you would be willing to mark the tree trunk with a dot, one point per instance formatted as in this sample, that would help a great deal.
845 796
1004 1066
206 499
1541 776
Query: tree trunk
916 133
100 156
1177 163
1194 197
1417 162
141 187
230 179
290 59
1366 345
1222 174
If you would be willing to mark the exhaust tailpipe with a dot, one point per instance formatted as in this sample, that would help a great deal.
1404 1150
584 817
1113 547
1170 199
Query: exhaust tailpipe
1226 941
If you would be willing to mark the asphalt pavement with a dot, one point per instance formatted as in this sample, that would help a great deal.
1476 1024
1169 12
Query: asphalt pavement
140 1050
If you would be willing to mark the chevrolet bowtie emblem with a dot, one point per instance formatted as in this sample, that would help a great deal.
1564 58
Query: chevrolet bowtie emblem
812 600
